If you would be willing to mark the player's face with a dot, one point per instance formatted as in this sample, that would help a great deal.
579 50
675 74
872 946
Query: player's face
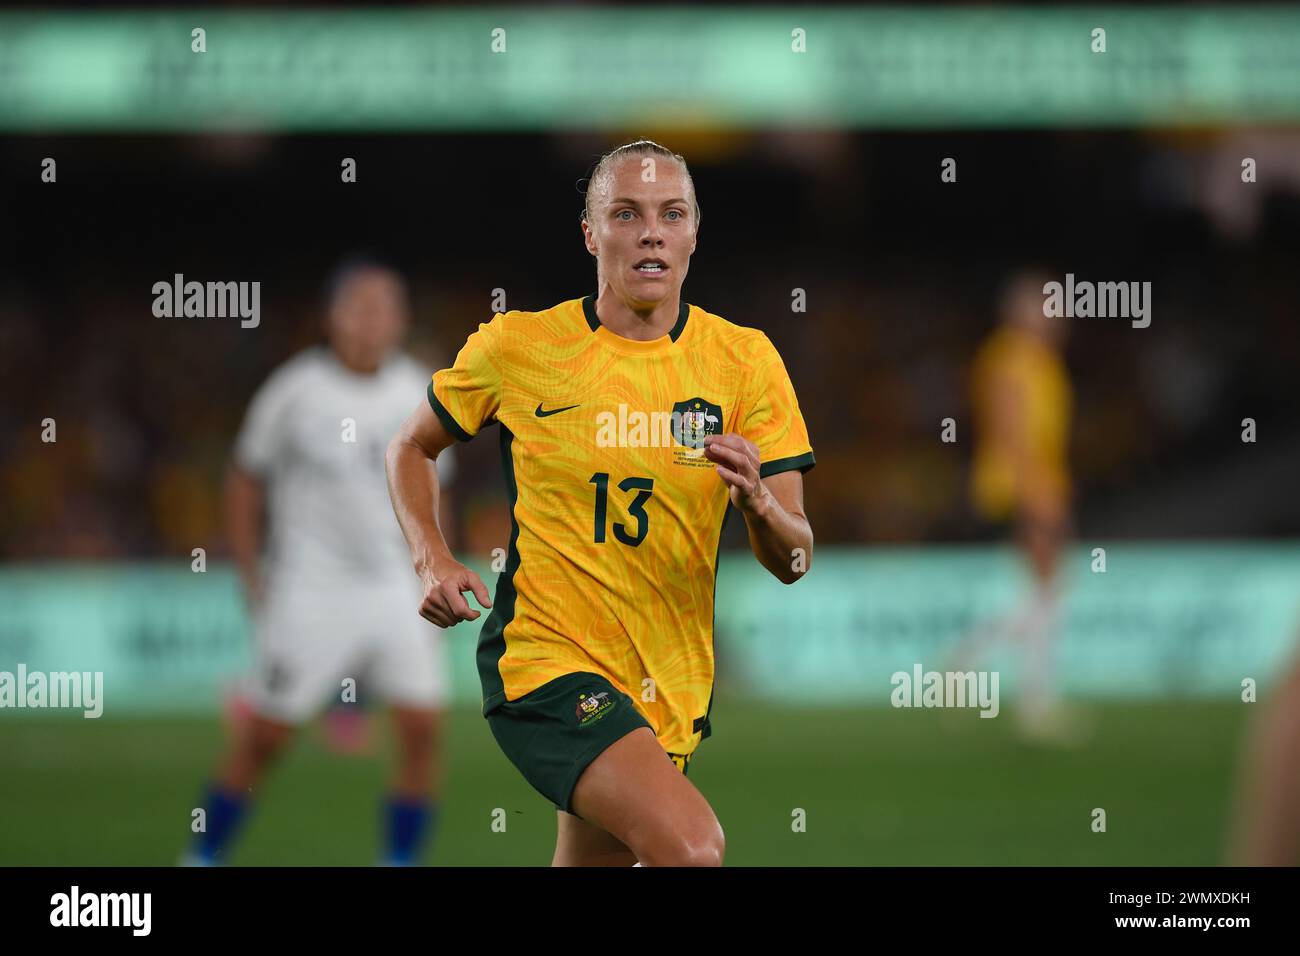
1024 307
643 232
368 319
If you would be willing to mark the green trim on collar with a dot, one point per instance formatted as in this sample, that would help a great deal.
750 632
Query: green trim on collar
593 320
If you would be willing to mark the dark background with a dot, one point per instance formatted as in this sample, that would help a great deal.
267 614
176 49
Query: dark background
901 274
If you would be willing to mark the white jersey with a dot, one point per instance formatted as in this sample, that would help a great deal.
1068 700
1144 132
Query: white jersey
316 434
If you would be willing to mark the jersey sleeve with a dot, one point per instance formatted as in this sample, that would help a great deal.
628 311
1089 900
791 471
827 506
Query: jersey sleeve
466 396
771 418
261 435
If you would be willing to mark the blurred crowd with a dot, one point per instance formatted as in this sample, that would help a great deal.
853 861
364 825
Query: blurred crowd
900 273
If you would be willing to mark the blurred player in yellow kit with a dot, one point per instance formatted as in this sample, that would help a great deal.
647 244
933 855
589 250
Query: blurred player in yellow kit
629 423
1020 475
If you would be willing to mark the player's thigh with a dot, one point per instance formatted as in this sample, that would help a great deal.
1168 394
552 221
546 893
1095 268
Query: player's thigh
635 793
268 735
553 732
579 843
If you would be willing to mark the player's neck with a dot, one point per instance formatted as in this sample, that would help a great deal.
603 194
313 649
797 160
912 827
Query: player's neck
353 367
617 316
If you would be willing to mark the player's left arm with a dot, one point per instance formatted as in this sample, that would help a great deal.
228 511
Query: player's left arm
779 532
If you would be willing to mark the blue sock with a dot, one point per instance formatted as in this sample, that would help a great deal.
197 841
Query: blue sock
225 810
406 820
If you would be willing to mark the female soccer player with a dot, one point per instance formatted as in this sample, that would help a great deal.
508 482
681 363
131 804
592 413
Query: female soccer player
1021 475
628 421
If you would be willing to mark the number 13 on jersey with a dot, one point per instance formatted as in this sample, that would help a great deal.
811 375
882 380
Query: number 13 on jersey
644 487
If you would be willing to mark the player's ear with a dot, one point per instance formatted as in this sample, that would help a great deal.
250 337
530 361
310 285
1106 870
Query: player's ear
589 238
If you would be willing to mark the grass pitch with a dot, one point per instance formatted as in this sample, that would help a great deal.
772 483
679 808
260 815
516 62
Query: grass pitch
899 787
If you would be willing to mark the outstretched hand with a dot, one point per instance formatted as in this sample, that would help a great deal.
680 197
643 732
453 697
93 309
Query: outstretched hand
444 603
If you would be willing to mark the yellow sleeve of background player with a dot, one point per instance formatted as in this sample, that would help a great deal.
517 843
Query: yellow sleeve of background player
770 416
467 395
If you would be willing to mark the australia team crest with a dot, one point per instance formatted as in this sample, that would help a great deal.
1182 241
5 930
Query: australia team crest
592 706
693 420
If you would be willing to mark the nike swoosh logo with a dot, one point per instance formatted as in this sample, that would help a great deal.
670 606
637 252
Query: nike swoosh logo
554 411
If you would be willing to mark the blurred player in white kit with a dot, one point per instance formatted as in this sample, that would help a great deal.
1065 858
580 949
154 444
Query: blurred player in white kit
331 601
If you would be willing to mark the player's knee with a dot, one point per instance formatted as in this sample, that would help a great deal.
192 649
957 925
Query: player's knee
695 853
260 759
266 741
697 846
706 853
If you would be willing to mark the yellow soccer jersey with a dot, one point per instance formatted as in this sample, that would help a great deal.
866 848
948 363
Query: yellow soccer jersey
1013 355
616 513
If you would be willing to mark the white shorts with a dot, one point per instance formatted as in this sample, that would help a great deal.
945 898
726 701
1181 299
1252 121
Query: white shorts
309 640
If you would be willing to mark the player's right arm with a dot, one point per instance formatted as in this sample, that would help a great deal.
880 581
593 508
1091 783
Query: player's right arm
244 494
413 486
461 400
258 453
